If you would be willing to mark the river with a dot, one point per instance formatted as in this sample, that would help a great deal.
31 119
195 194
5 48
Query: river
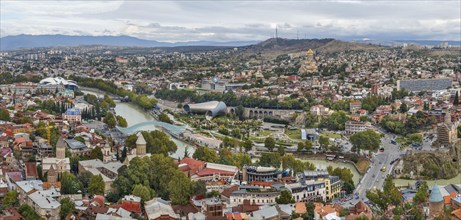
134 115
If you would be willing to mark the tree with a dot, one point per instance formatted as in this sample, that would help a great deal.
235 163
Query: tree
10 199
67 207
199 187
415 138
269 143
130 141
4 115
300 146
96 153
285 198
403 108
122 121
28 212
270 159
247 145
180 188
144 192
368 140
422 194
164 118
205 154
389 195
85 177
239 111
335 121
110 120
281 150
324 141
308 145
96 185
70 184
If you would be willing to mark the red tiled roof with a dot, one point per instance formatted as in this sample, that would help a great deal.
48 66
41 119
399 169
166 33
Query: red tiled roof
192 163
47 185
15 176
226 192
31 169
210 171
131 206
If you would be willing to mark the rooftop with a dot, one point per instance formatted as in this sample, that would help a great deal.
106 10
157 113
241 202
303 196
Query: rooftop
44 199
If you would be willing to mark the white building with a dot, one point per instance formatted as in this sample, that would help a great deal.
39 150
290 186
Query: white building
357 126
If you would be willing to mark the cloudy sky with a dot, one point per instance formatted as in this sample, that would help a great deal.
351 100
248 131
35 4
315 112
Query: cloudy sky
188 20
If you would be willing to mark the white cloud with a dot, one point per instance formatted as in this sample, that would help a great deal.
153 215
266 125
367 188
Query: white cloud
234 20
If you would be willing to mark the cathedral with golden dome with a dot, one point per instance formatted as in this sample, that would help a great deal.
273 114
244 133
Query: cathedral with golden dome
309 66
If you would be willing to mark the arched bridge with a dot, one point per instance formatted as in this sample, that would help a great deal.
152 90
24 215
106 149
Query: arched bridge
153 125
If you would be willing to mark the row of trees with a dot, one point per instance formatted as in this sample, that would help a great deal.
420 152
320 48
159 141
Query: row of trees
108 86
85 182
181 95
112 120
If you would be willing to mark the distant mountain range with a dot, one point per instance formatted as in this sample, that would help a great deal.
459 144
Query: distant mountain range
31 41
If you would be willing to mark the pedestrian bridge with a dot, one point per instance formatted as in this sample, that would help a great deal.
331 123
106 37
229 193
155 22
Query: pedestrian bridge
153 125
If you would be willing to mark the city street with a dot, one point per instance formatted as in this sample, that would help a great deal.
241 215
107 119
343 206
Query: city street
375 175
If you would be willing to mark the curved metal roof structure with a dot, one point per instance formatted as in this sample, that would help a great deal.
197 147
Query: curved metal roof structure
210 109
58 81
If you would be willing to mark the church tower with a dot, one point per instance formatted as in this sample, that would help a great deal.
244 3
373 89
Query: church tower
140 145
52 176
60 149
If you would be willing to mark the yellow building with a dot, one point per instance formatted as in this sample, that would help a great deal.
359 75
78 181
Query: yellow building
333 184
309 66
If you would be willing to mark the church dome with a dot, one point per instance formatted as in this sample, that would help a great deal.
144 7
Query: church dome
435 196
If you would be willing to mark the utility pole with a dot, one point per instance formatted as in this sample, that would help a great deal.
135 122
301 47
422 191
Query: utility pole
297 34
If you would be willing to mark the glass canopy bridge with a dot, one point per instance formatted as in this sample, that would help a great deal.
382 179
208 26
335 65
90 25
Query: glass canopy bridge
173 130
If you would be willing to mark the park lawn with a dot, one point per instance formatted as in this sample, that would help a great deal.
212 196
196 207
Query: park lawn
330 135
264 133
293 134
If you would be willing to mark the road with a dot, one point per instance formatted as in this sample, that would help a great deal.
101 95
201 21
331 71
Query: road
374 176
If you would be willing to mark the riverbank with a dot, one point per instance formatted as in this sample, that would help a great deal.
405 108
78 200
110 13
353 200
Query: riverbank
405 182
135 115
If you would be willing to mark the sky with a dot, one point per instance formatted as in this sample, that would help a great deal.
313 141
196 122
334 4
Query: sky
191 20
